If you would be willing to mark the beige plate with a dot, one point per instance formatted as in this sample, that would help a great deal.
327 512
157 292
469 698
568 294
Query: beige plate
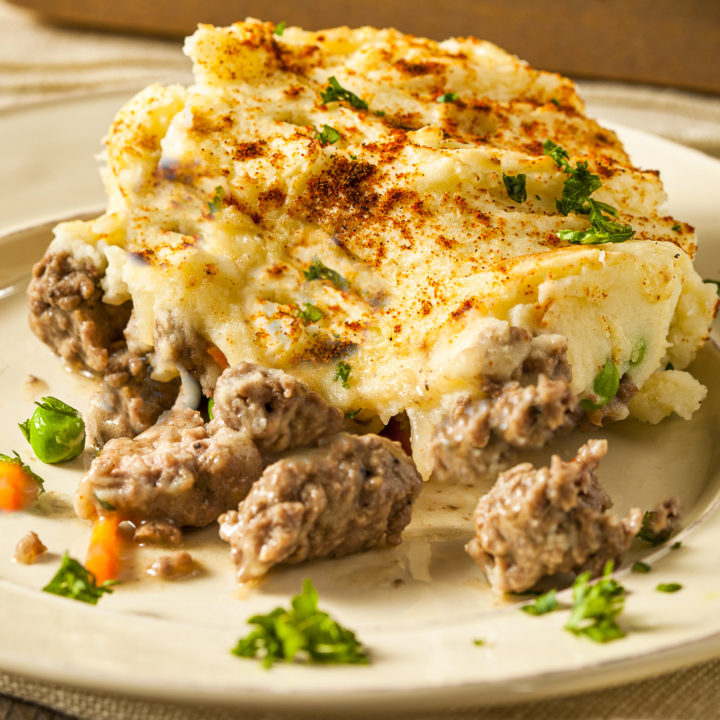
417 607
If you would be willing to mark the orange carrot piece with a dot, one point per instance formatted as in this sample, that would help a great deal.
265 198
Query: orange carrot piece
104 549
218 356
17 488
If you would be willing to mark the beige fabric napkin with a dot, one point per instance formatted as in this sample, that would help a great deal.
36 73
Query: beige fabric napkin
40 62
689 694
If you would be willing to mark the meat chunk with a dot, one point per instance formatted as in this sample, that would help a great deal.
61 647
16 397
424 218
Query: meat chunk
29 549
129 402
337 499
182 472
67 312
507 352
534 523
275 409
530 416
160 532
173 567
179 471
527 402
176 342
479 436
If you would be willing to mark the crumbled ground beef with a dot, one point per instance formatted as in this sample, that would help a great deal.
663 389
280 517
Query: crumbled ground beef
183 472
178 342
160 532
535 523
68 314
29 549
528 401
178 471
337 499
129 402
479 436
273 408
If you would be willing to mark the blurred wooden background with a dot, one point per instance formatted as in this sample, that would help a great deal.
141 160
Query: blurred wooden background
663 42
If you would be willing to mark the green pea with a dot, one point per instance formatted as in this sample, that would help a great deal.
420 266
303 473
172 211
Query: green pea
605 385
55 431
638 353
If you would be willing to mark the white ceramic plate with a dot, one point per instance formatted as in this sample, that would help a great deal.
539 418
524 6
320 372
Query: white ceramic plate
417 607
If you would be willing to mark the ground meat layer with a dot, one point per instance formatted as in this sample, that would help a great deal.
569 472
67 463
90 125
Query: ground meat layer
481 435
129 402
68 314
534 523
338 499
179 343
528 401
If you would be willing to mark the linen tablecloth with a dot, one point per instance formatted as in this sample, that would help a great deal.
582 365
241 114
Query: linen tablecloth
40 62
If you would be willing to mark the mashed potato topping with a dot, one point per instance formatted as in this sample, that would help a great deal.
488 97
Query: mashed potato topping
365 240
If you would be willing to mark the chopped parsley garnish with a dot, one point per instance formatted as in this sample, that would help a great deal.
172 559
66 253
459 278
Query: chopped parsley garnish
319 271
310 314
605 386
74 581
557 153
716 283
543 604
640 567
301 633
479 642
104 504
596 607
638 353
676 545
669 587
677 227
216 204
328 135
280 28
601 230
555 102
448 97
648 532
342 373
334 92
352 414
578 187
25 468
515 186
211 405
